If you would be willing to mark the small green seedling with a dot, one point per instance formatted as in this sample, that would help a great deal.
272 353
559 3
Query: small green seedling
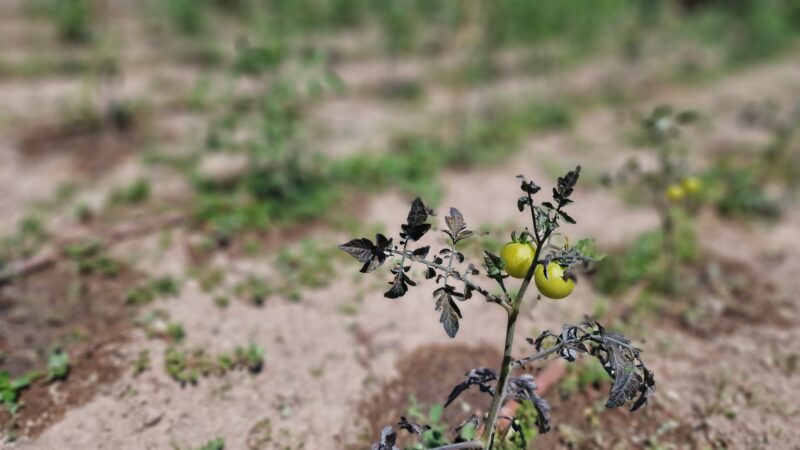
58 365
10 389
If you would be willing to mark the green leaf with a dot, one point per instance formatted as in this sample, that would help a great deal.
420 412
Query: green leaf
435 413
588 248
57 365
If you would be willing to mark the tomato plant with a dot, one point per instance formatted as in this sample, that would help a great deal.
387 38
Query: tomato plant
670 185
459 280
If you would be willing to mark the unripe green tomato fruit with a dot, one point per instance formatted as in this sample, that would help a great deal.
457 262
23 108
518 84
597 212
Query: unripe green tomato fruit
553 285
692 185
675 193
517 258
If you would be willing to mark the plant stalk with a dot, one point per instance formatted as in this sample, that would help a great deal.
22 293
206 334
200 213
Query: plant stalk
505 370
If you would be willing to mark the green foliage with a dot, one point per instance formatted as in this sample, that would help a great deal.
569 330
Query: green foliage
643 260
164 286
10 389
72 18
175 332
188 366
748 30
526 416
142 362
254 289
581 376
186 16
738 192
25 241
58 365
308 264
436 435
214 444
90 258
135 193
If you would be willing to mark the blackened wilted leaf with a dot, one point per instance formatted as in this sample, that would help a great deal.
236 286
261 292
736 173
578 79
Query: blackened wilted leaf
365 251
430 273
646 390
528 186
450 311
456 227
524 388
411 427
388 440
542 413
522 201
360 249
626 380
565 186
399 284
566 217
480 377
614 351
422 251
415 226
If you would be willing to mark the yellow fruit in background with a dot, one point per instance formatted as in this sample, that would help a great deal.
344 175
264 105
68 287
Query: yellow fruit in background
692 185
675 193
553 285
517 258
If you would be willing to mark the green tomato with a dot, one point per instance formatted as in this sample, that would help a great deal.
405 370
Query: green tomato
675 193
553 285
692 185
517 258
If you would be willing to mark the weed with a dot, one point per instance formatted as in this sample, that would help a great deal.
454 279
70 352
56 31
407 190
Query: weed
188 366
58 365
175 332
254 289
135 193
142 362
309 264
10 389
164 286
27 240
581 376
90 258
214 444
186 16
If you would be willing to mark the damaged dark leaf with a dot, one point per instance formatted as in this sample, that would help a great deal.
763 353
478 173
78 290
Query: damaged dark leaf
415 226
372 255
480 377
388 440
412 427
456 227
399 284
450 313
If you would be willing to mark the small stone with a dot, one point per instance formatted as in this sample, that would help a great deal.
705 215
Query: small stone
151 418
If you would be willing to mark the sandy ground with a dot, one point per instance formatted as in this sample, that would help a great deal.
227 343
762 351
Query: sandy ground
321 364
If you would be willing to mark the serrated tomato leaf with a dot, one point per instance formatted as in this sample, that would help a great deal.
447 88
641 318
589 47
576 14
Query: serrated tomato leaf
415 226
450 313
365 251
